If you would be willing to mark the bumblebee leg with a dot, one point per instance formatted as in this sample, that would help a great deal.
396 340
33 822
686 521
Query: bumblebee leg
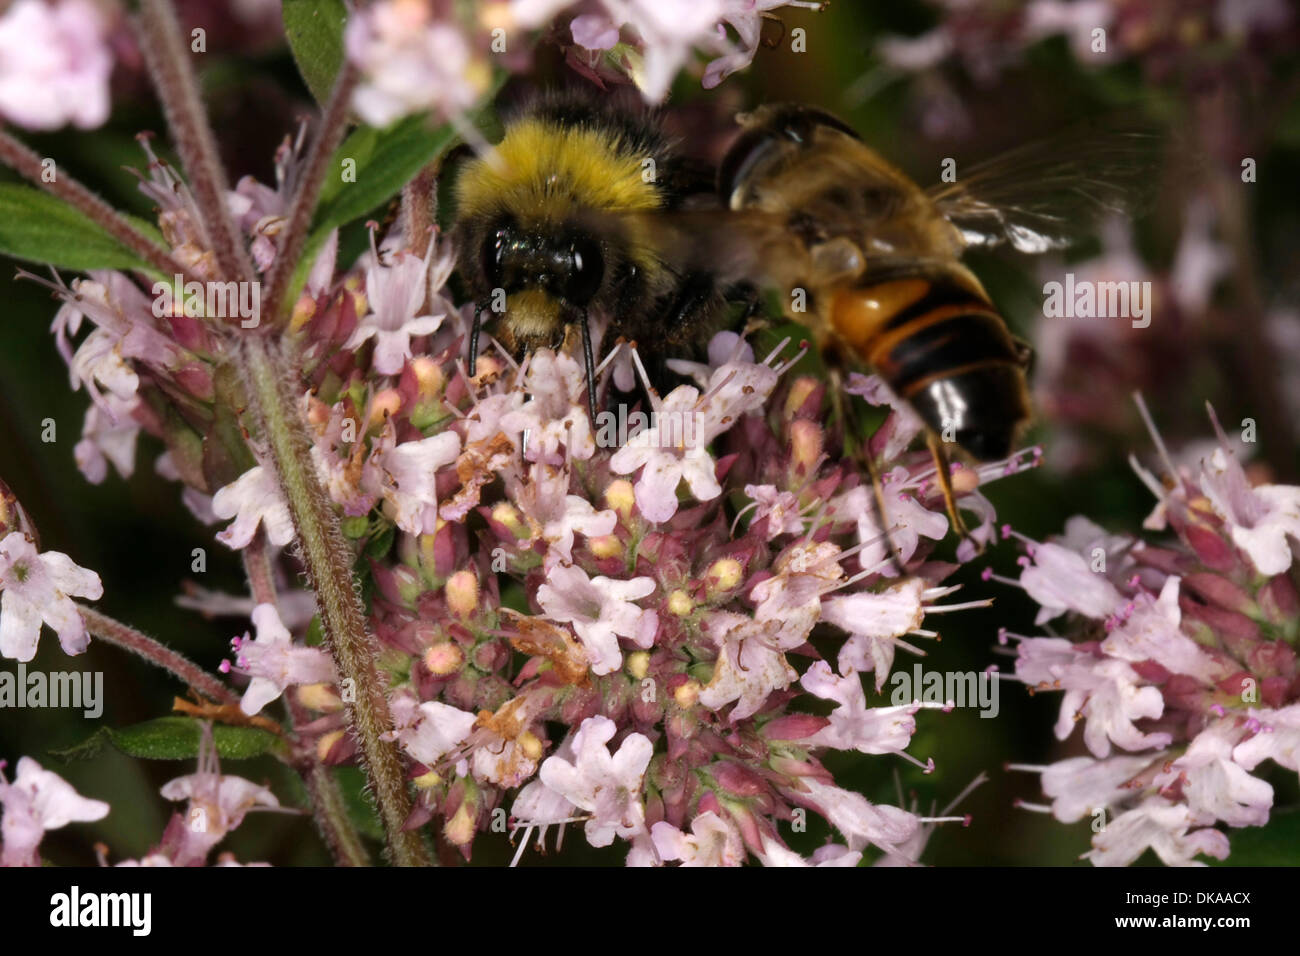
942 470
590 361
473 338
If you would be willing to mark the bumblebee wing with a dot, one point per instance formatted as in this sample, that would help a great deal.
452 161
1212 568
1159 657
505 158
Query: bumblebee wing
1051 193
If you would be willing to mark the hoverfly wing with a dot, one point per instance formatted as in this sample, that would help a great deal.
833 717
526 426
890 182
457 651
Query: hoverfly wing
1051 193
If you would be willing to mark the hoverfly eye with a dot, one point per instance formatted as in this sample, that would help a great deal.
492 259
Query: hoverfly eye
753 148
586 271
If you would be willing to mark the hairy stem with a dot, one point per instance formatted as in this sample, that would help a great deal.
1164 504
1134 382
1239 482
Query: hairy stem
27 164
328 561
333 125
168 59
327 806
257 565
122 635
331 816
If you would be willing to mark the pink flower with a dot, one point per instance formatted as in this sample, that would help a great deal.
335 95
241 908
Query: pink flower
854 726
1277 739
875 621
713 841
776 854
780 508
553 416
54 64
275 663
560 515
396 296
906 519
253 499
1061 580
1104 691
429 730
749 667
1081 785
1161 825
36 588
411 62
1214 786
108 436
36 801
685 421
1264 520
1150 632
600 610
217 804
608 786
666 465
861 822
409 484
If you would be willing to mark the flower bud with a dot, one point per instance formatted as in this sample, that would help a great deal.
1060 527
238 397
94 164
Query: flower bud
802 390
606 546
384 406
462 594
805 447
459 830
621 497
319 697
687 694
725 574
638 664
680 603
326 743
444 658
508 515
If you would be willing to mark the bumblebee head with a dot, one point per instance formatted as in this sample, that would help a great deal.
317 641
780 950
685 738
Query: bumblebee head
566 263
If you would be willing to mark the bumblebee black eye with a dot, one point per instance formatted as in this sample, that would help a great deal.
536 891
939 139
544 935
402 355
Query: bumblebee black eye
493 253
586 270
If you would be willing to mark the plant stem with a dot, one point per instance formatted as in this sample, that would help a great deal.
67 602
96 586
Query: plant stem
327 806
328 561
122 635
257 565
168 58
333 125
331 816
27 164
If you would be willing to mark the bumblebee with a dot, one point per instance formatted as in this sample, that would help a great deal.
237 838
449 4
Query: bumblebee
571 215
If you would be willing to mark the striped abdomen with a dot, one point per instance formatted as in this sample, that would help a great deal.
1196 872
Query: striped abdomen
938 342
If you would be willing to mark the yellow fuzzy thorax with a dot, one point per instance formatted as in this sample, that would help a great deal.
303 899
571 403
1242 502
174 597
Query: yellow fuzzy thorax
554 168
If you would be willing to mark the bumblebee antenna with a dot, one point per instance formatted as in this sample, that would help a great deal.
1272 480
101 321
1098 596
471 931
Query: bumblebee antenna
473 338
590 361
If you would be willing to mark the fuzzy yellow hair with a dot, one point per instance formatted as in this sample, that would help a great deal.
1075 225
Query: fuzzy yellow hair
553 167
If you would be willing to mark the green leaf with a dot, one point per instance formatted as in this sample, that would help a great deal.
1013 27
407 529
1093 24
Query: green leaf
314 29
361 809
386 160
174 738
1276 844
40 228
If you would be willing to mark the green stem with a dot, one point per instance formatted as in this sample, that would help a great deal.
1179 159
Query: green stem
297 225
168 57
327 806
328 561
